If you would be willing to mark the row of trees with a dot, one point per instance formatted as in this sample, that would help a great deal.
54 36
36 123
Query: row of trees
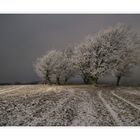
114 50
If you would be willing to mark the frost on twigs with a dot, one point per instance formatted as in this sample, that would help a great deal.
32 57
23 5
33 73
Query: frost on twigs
55 67
114 50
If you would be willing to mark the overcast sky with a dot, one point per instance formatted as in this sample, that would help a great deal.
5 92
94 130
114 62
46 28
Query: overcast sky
23 38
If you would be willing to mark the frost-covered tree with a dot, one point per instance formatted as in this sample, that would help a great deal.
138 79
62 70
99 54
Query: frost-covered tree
104 52
68 69
94 57
114 49
82 61
125 65
55 67
45 65
64 69
127 52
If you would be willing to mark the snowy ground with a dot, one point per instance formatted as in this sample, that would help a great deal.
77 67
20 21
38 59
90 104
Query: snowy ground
42 105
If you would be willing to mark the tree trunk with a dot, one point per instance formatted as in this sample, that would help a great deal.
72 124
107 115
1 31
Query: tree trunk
47 78
89 79
86 79
58 80
118 80
94 80
65 81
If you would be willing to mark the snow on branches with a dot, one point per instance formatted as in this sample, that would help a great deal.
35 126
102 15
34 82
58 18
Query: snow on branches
113 50
55 67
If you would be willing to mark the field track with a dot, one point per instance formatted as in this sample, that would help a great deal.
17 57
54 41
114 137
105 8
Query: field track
10 89
42 105
114 115
124 100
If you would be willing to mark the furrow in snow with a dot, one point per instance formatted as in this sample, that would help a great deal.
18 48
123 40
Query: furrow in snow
133 92
10 90
126 101
114 115
5 89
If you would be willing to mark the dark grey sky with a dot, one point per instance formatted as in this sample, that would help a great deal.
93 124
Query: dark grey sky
23 38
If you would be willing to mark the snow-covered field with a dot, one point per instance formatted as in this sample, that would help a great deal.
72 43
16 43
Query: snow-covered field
42 105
